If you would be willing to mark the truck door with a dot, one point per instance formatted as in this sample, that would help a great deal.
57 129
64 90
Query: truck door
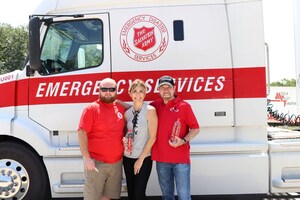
75 55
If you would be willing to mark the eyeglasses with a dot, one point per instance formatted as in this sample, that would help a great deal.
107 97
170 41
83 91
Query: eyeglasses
108 89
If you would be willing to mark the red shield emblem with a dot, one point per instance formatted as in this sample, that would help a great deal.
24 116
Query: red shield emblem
144 38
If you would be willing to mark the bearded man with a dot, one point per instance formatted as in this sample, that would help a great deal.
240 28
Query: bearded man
100 134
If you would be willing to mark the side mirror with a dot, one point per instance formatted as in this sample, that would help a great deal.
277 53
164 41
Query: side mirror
34 43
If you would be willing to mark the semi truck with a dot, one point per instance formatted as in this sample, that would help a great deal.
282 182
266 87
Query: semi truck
214 49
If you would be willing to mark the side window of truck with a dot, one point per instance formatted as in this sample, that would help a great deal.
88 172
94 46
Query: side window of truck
72 45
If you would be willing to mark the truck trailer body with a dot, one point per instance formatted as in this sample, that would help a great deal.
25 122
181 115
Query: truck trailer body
214 49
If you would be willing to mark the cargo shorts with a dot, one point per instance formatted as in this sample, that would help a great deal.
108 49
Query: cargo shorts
107 182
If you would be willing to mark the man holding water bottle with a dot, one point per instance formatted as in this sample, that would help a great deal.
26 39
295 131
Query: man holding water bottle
177 126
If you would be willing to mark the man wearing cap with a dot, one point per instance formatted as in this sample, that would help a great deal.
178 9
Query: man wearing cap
172 156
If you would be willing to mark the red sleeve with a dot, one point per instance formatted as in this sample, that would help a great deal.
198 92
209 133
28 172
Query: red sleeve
87 119
191 118
155 103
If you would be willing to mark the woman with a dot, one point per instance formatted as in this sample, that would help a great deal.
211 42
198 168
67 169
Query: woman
141 127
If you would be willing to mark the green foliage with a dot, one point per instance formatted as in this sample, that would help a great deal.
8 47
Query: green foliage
13 47
285 83
93 55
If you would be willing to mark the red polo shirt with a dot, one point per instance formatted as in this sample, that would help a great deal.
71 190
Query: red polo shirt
167 115
104 124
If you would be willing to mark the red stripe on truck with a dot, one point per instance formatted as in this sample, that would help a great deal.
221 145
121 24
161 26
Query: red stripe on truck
249 82
190 85
7 91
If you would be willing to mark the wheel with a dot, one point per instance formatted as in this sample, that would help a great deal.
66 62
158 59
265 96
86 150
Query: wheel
22 173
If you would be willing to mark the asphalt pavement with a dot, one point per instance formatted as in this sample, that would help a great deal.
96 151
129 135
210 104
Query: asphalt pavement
279 196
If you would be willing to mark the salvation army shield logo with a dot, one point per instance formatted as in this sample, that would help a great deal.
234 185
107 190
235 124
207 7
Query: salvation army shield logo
144 38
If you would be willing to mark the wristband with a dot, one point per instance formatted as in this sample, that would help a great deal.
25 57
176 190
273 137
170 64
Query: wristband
184 140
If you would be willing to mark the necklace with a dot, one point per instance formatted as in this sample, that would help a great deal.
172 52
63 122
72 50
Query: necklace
136 112
135 120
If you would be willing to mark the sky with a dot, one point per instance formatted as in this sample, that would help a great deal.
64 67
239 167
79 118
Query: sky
279 35
16 12
278 24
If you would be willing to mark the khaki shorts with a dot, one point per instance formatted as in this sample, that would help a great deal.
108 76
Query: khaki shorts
107 182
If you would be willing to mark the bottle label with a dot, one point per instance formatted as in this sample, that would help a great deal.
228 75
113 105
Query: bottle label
175 130
128 147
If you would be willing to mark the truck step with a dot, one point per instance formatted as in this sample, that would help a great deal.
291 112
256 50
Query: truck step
68 151
288 142
78 188
68 188
286 183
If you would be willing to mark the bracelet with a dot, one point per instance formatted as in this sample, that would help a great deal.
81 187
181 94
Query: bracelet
184 140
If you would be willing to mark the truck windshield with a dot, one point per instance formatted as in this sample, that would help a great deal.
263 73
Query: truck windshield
72 45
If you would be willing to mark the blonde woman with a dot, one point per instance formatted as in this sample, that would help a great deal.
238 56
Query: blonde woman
141 127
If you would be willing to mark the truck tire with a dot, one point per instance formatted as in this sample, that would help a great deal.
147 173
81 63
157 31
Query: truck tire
22 173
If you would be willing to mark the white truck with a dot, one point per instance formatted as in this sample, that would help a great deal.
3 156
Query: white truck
214 49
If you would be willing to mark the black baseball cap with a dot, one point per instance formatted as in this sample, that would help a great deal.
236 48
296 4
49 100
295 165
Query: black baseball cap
168 80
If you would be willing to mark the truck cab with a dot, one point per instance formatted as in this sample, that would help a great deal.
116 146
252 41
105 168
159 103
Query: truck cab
214 49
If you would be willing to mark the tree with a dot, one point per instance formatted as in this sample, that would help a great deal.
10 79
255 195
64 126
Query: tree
13 47
285 83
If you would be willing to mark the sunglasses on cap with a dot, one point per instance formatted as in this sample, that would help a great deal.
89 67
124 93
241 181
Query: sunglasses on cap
104 89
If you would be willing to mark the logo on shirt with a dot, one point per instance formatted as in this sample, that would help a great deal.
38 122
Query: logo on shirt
120 116
174 109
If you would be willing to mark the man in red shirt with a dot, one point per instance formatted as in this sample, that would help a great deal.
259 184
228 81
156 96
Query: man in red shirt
100 134
177 125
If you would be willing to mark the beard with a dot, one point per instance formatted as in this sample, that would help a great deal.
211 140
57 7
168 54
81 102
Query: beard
108 99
